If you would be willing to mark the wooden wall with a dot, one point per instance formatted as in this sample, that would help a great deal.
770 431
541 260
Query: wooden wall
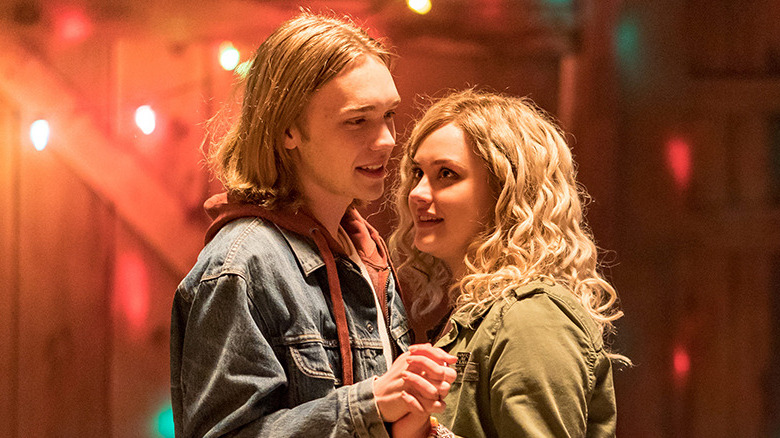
9 264
79 358
698 221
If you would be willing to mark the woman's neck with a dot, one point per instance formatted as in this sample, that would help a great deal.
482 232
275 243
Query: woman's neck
457 268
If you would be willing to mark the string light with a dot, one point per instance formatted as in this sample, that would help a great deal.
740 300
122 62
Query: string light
228 56
145 119
679 161
39 134
73 25
422 7
164 422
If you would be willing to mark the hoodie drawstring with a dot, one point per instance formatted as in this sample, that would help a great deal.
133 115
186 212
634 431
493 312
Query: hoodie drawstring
339 311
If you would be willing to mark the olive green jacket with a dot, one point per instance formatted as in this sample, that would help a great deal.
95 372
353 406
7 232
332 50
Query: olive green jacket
532 365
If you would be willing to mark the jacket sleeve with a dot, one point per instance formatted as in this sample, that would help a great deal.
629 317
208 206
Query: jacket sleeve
541 372
226 379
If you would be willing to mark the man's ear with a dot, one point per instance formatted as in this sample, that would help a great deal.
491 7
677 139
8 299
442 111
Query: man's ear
292 137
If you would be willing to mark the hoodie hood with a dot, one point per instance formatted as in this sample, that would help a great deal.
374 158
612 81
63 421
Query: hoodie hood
225 208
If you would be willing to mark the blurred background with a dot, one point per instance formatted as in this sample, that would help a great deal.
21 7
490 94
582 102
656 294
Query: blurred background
674 112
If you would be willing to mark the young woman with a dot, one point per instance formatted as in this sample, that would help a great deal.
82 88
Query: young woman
491 224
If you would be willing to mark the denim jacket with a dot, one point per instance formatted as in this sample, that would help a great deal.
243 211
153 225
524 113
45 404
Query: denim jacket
254 348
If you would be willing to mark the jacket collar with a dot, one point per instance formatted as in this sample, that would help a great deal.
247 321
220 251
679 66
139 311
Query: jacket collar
461 319
309 259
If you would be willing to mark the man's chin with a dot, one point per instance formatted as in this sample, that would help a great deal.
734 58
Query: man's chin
365 200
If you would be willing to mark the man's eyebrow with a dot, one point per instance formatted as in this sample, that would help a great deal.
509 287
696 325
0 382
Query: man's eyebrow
368 108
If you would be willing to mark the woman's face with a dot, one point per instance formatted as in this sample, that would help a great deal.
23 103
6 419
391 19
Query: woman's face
450 201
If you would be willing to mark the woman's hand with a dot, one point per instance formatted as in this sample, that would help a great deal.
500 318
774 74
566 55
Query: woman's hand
412 425
415 383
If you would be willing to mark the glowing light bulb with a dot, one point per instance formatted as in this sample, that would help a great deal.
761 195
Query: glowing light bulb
228 56
164 422
39 134
422 7
73 25
678 158
145 119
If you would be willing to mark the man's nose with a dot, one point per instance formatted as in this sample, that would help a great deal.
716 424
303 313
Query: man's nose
386 136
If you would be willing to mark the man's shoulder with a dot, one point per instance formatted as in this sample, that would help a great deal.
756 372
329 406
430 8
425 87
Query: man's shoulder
246 237
246 247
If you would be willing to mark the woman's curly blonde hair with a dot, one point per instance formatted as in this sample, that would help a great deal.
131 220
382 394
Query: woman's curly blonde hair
537 229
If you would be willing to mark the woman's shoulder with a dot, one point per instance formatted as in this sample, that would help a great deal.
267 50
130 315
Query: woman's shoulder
549 307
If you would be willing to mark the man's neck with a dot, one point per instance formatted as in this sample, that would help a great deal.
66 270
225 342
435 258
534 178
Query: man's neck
328 212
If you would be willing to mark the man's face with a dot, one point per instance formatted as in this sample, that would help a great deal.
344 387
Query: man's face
350 135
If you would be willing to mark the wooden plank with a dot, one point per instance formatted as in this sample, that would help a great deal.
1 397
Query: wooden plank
752 156
734 94
9 271
710 365
65 263
142 293
749 357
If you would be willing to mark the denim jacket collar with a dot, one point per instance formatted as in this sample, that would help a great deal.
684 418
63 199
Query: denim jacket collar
304 250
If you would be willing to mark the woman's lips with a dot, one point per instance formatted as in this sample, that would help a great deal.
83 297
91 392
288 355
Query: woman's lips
427 221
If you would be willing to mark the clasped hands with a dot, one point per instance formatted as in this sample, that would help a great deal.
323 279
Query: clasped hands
413 388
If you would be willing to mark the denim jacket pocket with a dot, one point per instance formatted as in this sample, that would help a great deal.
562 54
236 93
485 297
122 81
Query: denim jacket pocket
311 375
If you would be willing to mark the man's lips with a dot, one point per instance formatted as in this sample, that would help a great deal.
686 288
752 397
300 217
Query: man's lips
374 170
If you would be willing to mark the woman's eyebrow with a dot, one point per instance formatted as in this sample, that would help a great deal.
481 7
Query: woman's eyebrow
440 161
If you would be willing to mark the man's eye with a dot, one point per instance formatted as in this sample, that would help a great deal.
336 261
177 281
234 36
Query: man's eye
390 114
358 121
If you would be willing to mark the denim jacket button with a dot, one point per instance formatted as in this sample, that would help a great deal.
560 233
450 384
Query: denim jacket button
370 327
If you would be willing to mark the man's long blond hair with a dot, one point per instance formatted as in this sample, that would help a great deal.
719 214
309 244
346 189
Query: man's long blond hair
537 229
296 60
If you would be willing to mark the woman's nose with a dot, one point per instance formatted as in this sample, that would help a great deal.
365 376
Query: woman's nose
421 193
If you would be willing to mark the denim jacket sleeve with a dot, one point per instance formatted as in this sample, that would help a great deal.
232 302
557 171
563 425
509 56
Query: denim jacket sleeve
226 379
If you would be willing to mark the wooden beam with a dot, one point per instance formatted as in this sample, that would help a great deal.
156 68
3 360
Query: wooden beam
115 175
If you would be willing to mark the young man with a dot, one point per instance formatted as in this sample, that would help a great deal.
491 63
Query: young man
292 306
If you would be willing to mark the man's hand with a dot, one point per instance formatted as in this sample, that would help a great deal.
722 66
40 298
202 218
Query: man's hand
415 382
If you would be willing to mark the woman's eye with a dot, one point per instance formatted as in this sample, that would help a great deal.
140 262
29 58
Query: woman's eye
447 173
417 173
